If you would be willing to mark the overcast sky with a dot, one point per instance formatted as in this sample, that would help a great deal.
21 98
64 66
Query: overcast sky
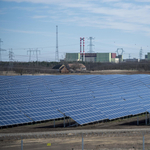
31 24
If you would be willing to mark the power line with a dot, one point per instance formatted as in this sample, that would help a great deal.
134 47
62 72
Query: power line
129 56
40 47
11 56
141 53
1 50
31 52
37 52
56 53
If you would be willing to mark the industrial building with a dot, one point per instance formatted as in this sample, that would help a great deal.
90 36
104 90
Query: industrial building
131 60
147 57
94 57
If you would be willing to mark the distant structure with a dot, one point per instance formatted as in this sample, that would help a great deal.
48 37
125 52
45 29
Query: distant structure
94 57
11 56
72 67
129 56
82 55
1 50
147 57
61 68
90 45
141 53
80 49
77 66
120 52
56 53
83 50
31 52
131 60
37 52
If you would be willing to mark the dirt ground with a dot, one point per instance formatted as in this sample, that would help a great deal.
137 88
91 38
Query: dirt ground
117 141
75 143
127 72
101 72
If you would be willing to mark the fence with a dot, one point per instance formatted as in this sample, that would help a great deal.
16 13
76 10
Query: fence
77 140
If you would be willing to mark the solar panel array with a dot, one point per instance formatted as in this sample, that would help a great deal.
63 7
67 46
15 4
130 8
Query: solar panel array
84 98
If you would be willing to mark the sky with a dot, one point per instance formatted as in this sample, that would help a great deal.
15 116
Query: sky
31 25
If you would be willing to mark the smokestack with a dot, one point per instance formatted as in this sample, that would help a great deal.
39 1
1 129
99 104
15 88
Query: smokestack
83 51
80 48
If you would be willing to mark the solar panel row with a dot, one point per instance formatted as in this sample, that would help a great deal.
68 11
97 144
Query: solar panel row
86 98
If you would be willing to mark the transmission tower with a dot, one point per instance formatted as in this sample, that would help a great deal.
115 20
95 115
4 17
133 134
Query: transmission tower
56 53
11 56
37 52
141 53
1 50
129 56
90 45
120 51
31 52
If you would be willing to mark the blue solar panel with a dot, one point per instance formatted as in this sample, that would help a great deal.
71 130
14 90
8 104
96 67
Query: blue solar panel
84 98
10 115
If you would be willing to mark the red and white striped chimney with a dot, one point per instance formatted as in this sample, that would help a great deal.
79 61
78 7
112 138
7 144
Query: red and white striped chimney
83 50
80 48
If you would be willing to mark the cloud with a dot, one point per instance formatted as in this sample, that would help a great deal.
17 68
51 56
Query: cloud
24 31
108 1
39 17
2 13
120 15
38 1
143 1
114 14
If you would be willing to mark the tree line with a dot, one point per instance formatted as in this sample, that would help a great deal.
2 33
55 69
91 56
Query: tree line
46 67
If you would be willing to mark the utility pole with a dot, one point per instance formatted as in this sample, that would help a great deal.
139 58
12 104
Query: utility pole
1 50
141 53
11 55
56 52
90 45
